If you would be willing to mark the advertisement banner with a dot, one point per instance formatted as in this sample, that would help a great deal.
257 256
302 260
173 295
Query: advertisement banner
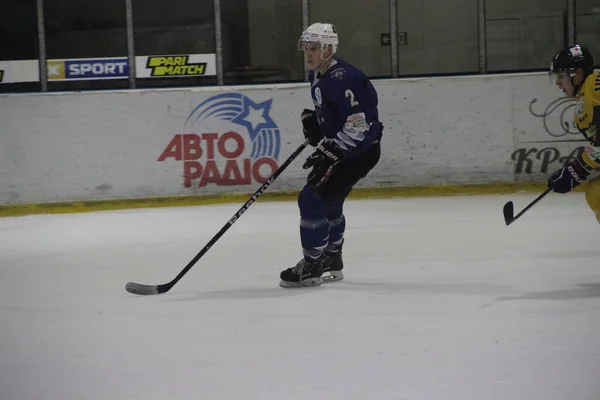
19 71
169 66
228 139
88 69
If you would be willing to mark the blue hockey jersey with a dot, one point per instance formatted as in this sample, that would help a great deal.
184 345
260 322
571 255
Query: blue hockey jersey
346 106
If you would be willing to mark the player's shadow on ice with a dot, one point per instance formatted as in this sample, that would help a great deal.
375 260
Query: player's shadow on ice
581 291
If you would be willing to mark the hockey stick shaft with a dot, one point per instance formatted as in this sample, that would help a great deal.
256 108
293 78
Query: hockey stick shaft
137 288
509 208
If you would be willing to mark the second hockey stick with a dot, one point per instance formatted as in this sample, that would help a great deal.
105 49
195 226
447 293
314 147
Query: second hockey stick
138 288
509 208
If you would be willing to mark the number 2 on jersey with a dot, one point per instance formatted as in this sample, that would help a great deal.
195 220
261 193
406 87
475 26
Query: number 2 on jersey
350 95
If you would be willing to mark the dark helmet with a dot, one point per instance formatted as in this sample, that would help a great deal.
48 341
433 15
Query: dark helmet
568 60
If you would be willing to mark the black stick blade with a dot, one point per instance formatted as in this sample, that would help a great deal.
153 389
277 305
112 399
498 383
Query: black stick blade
509 212
138 288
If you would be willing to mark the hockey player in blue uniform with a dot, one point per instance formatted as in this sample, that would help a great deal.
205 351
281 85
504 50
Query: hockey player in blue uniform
345 129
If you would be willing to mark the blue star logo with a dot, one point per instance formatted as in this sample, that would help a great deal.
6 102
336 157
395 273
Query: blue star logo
255 117
242 111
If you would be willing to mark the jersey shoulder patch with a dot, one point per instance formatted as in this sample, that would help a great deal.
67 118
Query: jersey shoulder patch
337 74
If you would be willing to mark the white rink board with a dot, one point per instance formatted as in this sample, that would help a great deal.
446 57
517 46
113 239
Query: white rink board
106 145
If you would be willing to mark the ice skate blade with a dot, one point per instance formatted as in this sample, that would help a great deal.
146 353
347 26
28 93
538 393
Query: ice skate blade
305 283
333 276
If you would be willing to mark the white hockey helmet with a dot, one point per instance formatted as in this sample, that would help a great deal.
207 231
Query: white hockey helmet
323 33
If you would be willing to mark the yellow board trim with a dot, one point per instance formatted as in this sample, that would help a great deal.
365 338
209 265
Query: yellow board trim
13 210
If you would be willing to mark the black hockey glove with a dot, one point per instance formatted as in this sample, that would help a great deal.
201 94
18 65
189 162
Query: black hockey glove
570 176
322 161
310 127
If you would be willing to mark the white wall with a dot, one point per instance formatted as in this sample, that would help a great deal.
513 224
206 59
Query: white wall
100 145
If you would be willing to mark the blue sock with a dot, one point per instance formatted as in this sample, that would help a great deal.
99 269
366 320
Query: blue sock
336 234
314 225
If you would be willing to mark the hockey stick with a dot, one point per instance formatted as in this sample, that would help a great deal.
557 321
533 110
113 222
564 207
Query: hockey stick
138 288
509 208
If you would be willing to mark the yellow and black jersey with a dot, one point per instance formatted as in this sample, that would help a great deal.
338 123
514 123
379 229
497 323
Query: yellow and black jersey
587 118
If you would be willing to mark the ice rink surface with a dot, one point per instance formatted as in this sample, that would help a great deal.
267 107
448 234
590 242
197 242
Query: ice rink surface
441 301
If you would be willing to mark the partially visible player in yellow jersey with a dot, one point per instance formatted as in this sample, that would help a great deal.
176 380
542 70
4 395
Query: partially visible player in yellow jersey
572 70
